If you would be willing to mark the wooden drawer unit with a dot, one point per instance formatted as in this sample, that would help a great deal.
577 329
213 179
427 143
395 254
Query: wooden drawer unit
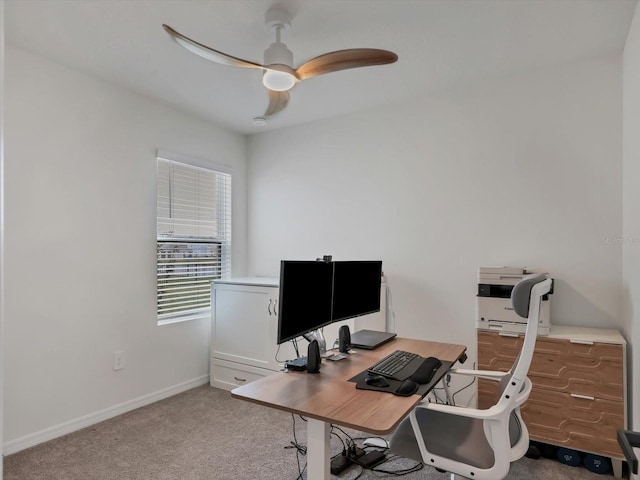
579 389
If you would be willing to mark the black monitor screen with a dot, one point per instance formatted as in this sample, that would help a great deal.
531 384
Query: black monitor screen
356 289
305 297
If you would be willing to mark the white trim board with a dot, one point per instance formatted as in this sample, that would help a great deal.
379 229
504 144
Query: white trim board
64 428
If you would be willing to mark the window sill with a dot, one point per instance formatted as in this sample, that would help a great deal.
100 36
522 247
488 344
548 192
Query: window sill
184 318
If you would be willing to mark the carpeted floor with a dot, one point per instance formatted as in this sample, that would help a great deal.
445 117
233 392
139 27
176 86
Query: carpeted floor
205 434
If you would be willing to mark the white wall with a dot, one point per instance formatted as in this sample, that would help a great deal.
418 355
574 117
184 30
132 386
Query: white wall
80 246
631 200
525 171
1 225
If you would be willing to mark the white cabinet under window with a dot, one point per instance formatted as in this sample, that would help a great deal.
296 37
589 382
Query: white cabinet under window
244 329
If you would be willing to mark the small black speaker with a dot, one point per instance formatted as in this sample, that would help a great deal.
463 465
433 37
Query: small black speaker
344 339
313 357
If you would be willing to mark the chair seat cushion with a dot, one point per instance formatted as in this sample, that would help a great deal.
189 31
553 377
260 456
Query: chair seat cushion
458 438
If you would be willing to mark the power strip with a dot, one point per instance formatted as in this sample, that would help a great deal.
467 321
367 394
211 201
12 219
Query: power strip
371 459
339 463
356 453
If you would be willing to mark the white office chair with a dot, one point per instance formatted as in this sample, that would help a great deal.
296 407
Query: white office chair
473 443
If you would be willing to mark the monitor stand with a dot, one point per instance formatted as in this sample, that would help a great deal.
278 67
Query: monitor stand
319 336
300 363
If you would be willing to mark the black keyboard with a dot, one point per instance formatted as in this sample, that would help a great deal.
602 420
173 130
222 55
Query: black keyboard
398 365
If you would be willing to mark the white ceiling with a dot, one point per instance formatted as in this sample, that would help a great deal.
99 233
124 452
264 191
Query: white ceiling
440 43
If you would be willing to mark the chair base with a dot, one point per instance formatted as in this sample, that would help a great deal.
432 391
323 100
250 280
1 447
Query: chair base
452 477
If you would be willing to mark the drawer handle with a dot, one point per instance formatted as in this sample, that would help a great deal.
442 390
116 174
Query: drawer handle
508 334
584 397
581 342
239 379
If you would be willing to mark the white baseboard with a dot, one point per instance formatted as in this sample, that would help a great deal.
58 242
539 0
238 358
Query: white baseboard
56 431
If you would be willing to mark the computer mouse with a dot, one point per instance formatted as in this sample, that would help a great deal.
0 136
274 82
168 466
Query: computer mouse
406 388
376 381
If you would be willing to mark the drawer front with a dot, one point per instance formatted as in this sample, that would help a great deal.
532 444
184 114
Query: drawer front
588 425
229 375
594 370
497 352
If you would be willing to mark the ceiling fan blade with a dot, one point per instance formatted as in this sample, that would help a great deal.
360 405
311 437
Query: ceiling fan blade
344 59
277 102
208 52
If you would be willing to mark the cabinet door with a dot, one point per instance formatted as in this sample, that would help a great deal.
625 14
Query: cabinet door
241 328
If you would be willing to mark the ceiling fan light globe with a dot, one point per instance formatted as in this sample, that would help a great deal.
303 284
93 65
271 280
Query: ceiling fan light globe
278 81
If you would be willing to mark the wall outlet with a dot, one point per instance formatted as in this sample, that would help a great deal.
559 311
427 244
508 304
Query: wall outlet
118 360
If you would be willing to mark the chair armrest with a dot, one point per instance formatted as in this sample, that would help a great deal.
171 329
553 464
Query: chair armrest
485 374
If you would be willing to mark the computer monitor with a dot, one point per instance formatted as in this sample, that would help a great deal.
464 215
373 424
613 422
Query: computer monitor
316 293
306 289
356 289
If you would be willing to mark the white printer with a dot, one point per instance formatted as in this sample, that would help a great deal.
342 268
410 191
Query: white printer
493 302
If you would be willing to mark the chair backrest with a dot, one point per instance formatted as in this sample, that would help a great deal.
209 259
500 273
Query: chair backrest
515 387
525 300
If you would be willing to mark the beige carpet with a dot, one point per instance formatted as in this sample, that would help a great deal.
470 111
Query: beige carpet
204 434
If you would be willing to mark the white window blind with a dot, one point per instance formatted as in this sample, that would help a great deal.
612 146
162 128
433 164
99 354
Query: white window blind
194 236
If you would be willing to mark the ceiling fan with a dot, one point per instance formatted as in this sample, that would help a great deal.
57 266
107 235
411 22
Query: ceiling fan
279 76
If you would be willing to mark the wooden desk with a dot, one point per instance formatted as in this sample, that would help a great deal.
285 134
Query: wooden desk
329 398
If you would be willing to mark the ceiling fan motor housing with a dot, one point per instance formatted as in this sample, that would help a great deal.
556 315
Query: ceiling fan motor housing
278 54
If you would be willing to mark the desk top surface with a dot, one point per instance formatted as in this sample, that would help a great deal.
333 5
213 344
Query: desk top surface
330 397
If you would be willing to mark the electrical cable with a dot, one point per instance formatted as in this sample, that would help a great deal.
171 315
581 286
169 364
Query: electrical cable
435 394
362 469
399 473
295 347
389 309
453 396
473 380
349 445
344 447
351 441
275 357
300 449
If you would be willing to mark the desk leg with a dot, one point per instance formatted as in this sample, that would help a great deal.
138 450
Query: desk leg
318 452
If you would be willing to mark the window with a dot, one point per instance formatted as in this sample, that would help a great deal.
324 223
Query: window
193 237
